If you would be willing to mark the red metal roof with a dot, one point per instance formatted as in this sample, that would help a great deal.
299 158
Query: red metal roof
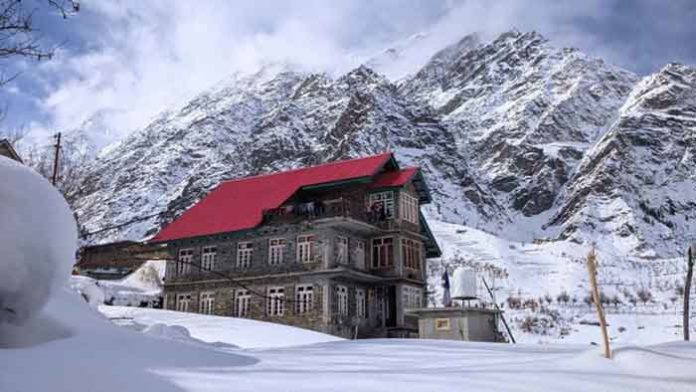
393 178
239 204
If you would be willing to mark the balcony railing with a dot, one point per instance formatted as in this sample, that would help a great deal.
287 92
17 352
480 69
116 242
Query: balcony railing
314 210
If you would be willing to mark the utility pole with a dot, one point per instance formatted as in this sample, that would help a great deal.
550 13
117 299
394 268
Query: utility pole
55 159
687 288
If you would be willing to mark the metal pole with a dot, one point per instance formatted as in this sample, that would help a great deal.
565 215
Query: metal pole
55 160
507 328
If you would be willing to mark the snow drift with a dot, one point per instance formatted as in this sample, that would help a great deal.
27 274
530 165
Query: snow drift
38 237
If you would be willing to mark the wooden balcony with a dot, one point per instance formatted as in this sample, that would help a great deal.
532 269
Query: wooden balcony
343 212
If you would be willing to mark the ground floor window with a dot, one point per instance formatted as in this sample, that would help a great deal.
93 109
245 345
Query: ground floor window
183 302
304 298
342 300
275 301
207 303
412 297
242 302
360 304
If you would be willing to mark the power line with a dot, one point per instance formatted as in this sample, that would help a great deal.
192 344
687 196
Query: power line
183 202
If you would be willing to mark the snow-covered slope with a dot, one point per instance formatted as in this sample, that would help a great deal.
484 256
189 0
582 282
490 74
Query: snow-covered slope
85 352
544 290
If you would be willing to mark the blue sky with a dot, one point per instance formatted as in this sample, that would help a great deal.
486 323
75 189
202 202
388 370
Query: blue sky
123 61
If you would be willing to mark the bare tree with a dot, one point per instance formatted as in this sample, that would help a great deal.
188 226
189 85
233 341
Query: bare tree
18 35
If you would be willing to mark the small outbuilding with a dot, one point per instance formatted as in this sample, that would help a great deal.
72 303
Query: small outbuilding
459 323
7 150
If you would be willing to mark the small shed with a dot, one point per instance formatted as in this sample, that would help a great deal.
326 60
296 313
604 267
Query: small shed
117 259
459 323
7 150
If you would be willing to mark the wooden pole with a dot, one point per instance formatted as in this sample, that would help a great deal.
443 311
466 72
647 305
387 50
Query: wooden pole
687 289
592 269
54 178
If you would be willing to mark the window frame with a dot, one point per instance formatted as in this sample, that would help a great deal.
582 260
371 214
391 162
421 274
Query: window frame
242 303
187 297
342 250
408 207
360 259
386 197
183 267
210 259
206 302
360 303
276 251
387 254
305 251
245 254
443 324
304 298
275 301
411 253
411 297
342 302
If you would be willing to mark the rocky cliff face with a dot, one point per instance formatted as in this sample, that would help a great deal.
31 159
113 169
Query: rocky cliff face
638 182
515 136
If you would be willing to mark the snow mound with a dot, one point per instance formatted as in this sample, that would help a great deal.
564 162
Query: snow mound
239 332
174 332
38 238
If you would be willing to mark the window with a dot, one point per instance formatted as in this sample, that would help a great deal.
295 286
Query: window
183 302
275 301
360 304
411 253
208 258
408 209
411 297
382 203
360 255
276 251
342 250
442 324
185 260
304 298
304 248
242 301
207 303
342 300
245 250
382 252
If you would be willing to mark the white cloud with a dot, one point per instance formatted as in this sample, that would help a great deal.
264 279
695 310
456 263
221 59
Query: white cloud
136 58
141 57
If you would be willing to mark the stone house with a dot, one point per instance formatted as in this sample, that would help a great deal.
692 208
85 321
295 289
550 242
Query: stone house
8 151
340 248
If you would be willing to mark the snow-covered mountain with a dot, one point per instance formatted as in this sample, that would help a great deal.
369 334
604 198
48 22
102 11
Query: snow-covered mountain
517 137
